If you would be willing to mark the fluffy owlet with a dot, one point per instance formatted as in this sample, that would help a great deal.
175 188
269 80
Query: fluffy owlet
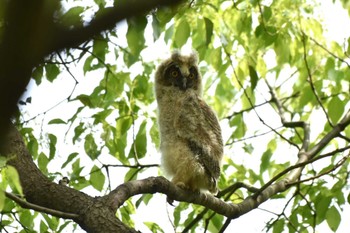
191 141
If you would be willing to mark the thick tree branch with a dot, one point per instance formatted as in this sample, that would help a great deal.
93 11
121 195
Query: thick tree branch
31 34
159 184
92 214
124 9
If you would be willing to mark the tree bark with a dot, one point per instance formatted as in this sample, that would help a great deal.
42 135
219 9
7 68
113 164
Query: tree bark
93 214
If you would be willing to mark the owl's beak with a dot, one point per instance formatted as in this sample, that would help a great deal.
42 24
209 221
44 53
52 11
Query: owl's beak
183 83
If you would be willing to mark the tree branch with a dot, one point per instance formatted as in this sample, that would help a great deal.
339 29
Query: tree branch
67 38
92 214
28 205
310 79
337 165
29 38
291 124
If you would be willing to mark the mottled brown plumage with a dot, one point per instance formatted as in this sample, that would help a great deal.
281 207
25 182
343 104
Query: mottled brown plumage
191 141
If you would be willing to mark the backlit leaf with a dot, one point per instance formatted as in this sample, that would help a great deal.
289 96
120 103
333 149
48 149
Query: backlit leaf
333 218
90 147
2 199
182 33
12 177
253 77
208 30
335 109
52 71
97 178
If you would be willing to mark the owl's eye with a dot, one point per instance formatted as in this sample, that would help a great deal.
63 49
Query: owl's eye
174 73
191 76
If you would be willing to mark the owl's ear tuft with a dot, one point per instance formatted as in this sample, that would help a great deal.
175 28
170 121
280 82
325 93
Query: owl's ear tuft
194 57
175 55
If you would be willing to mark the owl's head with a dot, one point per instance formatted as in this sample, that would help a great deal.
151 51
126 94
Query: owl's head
181 72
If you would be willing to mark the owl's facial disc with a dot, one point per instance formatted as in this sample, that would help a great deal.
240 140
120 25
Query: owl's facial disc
181 77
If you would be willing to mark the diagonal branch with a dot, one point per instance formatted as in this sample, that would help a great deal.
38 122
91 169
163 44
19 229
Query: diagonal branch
335 167
159 184
124 9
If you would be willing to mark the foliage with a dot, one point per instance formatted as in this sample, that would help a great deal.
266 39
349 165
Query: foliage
264 64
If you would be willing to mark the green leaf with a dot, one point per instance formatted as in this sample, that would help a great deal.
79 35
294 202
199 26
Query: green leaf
333 218
182 33
85 100
27 219
278 226
135 34
37 74
42 162
208 30
154 227
90 147
87 64
123 124
97 178
69 159
57 121
3 161
52 71
100 48
131 175
53 142
157 29
78 131
267 13
169 33
154 132
12 177
335 109
265 160
140 144
145 198
321 205
72 17
43 227
253 77
51 221
2 200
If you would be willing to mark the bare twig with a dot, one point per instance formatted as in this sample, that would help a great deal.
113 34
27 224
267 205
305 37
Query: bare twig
253 136
299 165
335 167
251 103
291 124
310 79
329 52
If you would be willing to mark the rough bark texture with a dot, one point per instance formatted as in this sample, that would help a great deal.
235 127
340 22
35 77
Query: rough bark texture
94 215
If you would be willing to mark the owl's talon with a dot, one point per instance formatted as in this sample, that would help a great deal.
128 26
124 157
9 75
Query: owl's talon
181 185
170 201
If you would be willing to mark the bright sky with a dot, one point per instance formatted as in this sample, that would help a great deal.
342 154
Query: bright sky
338 30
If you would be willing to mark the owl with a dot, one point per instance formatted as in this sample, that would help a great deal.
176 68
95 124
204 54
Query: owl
190 135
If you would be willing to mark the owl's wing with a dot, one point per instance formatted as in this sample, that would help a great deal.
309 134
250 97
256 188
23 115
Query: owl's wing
197 124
